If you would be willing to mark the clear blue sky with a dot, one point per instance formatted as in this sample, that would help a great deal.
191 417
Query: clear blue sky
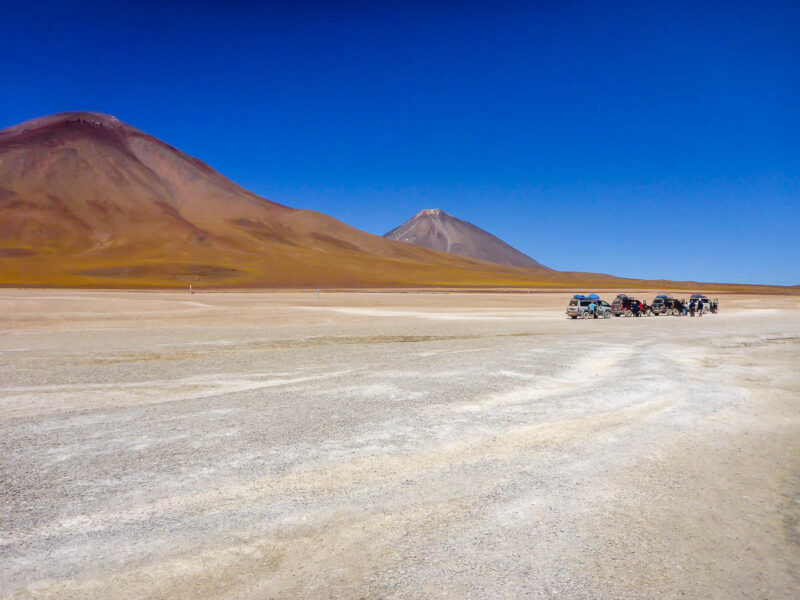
642 139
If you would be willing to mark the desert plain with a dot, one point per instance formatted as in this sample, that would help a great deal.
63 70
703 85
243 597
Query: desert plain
395 445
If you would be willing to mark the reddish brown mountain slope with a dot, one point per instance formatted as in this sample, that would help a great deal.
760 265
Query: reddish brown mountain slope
435 229
88 200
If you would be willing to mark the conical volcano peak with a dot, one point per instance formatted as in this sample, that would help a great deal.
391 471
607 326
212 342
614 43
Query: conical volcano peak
53 130
433 228
430 212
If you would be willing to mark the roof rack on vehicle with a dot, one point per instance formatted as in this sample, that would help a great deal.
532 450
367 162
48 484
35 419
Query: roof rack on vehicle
579 297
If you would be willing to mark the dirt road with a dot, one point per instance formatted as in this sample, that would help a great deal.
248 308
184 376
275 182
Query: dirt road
248 445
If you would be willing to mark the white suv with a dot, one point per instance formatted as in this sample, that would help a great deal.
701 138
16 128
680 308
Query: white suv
579 307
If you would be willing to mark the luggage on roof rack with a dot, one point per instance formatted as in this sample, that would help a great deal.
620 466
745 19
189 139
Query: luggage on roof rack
579 297
594 297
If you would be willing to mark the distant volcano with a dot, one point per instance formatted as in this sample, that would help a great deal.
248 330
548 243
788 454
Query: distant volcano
435 229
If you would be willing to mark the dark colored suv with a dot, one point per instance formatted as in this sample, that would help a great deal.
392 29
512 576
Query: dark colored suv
662 305
623 305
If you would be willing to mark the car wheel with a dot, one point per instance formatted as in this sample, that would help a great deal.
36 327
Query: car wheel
573 316
628 313
586 315
607 314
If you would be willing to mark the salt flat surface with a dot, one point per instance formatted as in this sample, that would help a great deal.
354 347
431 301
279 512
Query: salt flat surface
394 445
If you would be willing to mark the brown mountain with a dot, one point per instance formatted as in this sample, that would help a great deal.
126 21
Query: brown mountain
435 229
88 200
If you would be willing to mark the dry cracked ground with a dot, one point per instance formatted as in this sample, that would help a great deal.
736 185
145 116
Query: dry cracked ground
404 445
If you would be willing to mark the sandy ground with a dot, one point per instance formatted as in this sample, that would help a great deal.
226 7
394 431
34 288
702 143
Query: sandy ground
376 445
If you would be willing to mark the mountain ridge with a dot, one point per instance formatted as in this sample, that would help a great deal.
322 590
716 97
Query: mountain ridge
89 201
86 199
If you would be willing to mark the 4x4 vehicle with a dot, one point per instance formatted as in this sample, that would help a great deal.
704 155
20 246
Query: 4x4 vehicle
623 305
579 307
662 305
701 298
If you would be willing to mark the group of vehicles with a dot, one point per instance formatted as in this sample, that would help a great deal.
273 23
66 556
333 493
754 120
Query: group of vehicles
592 306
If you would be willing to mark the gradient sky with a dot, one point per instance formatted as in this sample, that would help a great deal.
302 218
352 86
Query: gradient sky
642 139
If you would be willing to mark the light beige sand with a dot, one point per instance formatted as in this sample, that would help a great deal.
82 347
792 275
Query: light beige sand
401 445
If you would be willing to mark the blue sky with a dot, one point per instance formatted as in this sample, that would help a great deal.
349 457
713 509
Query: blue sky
642 139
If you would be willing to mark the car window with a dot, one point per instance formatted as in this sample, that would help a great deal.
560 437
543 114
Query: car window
573 303
584 303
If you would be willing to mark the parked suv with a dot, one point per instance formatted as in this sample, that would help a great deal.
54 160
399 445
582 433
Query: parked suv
662 305
579 307
667 306
623 305
704 299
